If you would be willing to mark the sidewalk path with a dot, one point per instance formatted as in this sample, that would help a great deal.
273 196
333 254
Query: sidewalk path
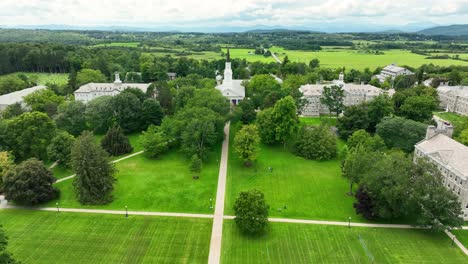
113 212
276 58
217 231
114 161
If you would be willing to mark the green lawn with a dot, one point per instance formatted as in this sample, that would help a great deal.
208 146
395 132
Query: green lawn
315 121
244 54
61 171
48 237
299 243
354 59
163 184
44 78
118 44
448 116
462 236
297 188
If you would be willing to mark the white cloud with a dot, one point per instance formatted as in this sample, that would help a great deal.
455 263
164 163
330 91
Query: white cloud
220 12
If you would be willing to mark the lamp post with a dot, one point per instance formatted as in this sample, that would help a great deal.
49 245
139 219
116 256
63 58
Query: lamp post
58 210
453 240
211 203
349 222
126 211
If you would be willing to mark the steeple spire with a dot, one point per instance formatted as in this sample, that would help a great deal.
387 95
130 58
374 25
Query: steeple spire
228 57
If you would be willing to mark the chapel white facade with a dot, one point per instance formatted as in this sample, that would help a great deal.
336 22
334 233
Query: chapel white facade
231 89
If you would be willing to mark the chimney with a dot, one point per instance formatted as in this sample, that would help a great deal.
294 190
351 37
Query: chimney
430 132
449 131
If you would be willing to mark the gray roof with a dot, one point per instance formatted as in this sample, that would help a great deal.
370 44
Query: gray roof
316 89
236 89
92 87
448 151
456 90
17 97
394 68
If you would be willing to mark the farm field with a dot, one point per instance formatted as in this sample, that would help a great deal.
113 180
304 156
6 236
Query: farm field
244 54
163 184
48 237
118 44
44 78
296 188
299 243
352 59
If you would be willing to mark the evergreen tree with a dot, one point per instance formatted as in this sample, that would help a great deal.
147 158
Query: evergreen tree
94 181
115 142
5 256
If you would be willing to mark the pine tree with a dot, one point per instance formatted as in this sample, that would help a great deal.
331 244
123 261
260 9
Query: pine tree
115 142
94 181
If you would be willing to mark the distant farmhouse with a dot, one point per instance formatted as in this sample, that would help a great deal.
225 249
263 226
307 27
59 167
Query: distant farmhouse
392 71
231 89
453 98
354 94
91 91
450 157
17 97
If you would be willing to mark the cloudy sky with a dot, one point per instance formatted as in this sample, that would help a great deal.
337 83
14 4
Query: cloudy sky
189 13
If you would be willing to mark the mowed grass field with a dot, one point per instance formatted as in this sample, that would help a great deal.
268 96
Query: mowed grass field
354 59
44 78
462 236
163 184
296 188
48 237
61 171
244 54
118 44
300 243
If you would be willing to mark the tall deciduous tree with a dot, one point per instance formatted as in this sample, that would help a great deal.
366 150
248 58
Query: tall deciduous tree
115 142
6 163
401 133
88 75
333 98
246 144
127 110
251 212
434 204
29 183
94 181
154 141
99 114
29 134
418 108
44 100
70 117
60 148
317 143
152 113
354 118
285 119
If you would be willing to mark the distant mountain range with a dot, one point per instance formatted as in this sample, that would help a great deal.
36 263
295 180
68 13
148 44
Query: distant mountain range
427 28
452 30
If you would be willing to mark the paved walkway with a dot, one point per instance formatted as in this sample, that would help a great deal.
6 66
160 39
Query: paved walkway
217 231
114 212
276 58
114 161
